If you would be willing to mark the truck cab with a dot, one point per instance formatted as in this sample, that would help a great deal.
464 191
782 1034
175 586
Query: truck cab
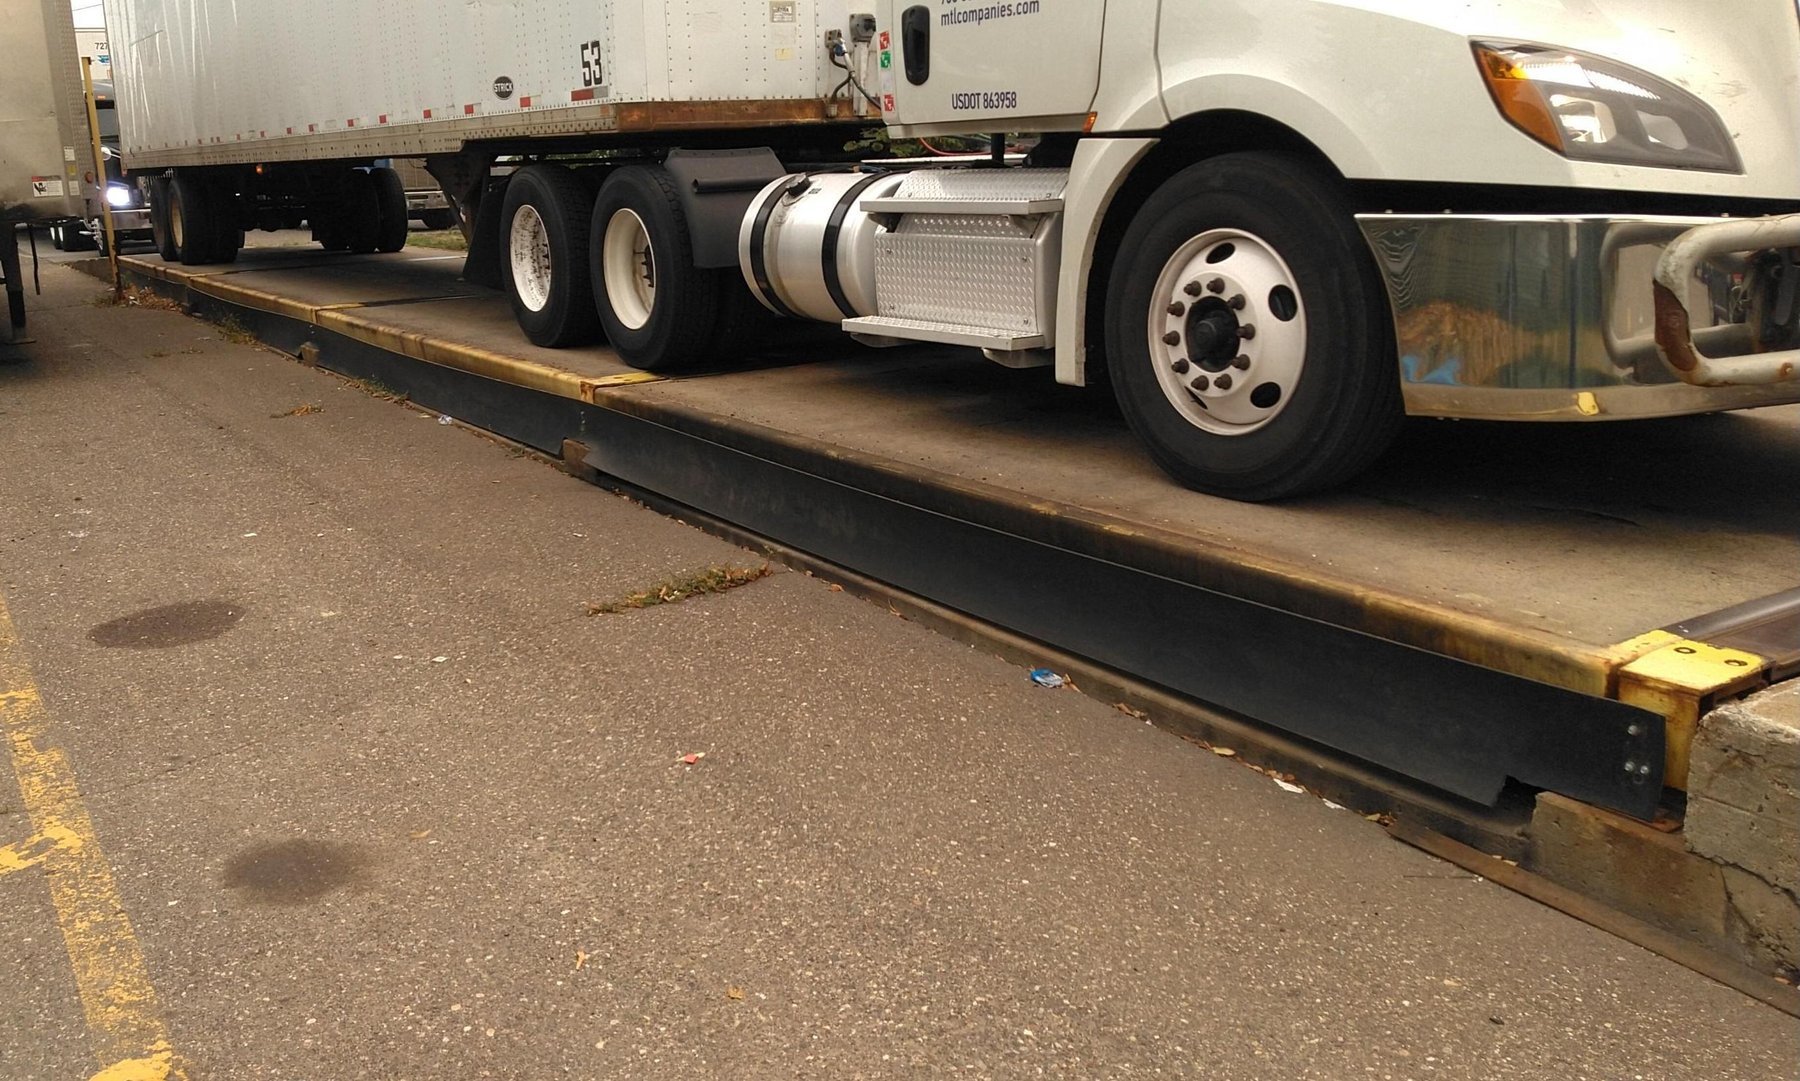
1283 224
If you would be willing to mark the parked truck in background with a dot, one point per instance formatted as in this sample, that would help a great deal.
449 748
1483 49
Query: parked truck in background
119 194
1277 227
42 121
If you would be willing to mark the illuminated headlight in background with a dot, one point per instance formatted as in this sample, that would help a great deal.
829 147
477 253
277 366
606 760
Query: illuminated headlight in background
118 196
1592 109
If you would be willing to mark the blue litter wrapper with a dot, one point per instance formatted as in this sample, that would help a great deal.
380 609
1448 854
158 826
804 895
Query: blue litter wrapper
1043 677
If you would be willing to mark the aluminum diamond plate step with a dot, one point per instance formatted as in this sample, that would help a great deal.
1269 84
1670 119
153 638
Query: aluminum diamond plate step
920 330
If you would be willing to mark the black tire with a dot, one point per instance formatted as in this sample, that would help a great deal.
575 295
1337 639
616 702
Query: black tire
563 207
190 226
390 210
442 218
56 236
1340 406
361 215
683 326
159 219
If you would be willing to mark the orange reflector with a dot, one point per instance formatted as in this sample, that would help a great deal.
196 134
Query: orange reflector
1519 99
1088 128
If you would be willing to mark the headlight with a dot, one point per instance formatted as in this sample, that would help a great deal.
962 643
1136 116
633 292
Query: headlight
118 196
1591 109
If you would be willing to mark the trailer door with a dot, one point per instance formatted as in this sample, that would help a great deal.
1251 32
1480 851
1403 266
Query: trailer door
1008 65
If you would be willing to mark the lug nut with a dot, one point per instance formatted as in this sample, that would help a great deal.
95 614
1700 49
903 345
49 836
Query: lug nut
1178 308
1217 285
1246 332
1223 382
1240 362
1192 289
1171 338
1181 367
1200 382
1237 302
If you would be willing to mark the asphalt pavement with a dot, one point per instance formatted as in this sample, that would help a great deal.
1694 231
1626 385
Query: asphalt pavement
323 769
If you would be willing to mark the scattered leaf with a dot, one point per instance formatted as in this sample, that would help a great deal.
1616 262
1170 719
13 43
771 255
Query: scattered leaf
306 410
1224 752
420 835
580 959
734 993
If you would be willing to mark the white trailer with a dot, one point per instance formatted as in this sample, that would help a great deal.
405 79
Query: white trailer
1278 227
42 133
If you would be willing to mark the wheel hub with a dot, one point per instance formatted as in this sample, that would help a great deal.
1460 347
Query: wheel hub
528 245
1227 332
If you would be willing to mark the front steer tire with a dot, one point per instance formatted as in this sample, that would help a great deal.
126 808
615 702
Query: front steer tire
1327 331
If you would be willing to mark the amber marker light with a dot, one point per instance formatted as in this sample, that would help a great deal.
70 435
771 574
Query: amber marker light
1519 99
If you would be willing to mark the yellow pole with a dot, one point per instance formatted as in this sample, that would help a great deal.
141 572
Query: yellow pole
106 215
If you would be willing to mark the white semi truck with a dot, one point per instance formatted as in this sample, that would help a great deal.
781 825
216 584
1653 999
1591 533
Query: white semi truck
1276 226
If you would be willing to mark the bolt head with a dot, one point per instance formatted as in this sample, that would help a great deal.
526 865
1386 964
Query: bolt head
1237 302
1181 366
1240 362
1246 332
1630 766
1192 289
1223 382
1200 383
1178 308
1217 285
1171 338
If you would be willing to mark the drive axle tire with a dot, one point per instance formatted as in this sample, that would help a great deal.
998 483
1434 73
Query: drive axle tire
442 218
544 226
661 313
1249 335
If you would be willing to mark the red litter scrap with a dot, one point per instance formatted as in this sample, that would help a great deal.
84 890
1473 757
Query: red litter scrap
692 759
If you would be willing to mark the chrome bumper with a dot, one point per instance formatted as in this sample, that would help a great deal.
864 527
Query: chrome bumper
1518 317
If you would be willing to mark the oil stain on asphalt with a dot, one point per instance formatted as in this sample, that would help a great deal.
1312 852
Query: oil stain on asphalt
295 872
171 625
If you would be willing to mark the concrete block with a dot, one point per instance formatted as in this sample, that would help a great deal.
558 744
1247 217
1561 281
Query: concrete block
1765 918
1744 788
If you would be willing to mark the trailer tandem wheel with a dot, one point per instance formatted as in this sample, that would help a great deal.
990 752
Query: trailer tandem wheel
544 268
392 219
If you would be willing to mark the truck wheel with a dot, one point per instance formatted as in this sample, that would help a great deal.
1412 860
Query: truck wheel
442 218
1248 334
390 209
660 312
360 216
159 219
544 226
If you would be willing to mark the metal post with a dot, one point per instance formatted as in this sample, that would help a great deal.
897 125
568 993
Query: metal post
106 214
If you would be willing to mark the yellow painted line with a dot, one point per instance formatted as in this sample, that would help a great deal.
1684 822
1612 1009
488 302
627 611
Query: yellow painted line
124 1022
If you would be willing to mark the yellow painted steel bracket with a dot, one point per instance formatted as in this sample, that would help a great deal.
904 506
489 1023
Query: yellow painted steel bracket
1682 679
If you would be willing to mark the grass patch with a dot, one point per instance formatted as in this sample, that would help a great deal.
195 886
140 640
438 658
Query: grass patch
235 332
374 388
447 239
133 296
305 410
719 579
